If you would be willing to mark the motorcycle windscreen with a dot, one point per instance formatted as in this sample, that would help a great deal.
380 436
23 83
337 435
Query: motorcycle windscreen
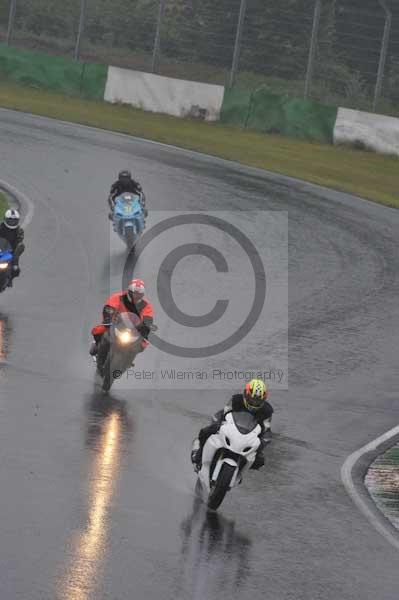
244 421
128 205
127 321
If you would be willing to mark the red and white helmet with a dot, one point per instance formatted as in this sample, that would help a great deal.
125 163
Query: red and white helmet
136 289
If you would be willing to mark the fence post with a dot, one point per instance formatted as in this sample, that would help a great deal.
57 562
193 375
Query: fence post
237 45
384 51
157 40
11 19
81 28
313 47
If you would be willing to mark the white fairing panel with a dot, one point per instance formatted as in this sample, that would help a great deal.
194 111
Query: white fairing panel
228 437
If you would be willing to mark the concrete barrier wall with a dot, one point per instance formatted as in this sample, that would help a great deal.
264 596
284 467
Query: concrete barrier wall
261 109
376 132
164 95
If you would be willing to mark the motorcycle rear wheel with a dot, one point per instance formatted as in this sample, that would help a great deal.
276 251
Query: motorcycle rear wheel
221 487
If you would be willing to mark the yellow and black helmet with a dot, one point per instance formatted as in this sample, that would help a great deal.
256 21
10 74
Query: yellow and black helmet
255 394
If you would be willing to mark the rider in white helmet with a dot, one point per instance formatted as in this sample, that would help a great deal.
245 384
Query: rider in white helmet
11 230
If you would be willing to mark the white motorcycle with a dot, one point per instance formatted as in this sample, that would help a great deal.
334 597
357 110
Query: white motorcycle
227 455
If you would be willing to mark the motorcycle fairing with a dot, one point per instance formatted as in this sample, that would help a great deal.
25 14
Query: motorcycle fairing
237 445
128 212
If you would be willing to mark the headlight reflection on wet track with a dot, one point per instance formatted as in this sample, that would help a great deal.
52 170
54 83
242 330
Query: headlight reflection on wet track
2 341
4 337
82 573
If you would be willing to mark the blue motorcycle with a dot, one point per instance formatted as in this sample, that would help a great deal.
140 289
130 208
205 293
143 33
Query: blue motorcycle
128 218
6 259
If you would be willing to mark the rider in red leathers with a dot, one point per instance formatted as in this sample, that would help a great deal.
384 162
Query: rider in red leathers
132 300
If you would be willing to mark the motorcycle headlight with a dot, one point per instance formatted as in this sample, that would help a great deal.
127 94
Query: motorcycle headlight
3 266
125 337
128 210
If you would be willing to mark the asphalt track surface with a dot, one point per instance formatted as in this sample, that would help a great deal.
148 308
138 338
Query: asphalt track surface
97 493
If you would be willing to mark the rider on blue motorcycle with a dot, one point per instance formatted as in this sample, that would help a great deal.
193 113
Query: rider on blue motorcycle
125 183
14 234
253 400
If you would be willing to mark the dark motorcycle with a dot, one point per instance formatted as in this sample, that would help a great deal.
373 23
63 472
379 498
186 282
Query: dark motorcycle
118 348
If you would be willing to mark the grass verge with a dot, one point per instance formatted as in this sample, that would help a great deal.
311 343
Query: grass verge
382 484
365 174
3 205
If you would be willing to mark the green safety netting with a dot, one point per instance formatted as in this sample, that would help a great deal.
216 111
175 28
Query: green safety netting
275 113
58 73
235 107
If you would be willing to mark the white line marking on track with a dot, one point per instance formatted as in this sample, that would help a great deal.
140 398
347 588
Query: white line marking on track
22 198
346 475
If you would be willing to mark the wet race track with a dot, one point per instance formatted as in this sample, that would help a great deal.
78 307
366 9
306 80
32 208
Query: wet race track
97 492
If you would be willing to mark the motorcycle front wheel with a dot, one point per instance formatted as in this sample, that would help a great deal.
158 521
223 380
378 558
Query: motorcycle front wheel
221 486
107 375
130 241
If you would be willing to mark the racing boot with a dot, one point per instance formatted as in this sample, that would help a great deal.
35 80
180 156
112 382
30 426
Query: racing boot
267 437
93 351
14 273
196 455
259 461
